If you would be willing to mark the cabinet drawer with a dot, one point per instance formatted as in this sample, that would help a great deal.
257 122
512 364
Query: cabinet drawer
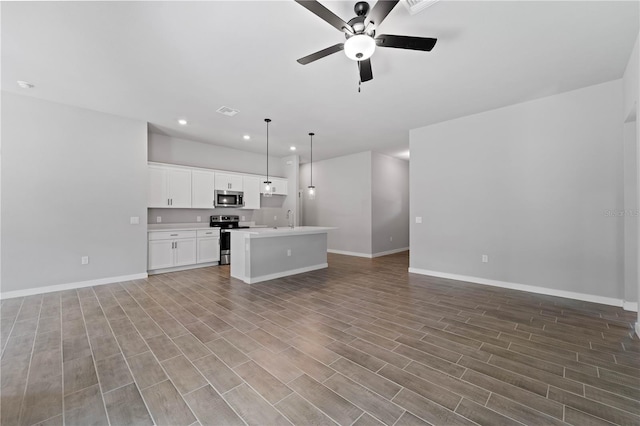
168 235
203 233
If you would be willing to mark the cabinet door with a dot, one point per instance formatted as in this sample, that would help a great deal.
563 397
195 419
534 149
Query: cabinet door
208 250
280 186
227 182
160 254
157 187
236 183
202 192
179 188
185 252
251 187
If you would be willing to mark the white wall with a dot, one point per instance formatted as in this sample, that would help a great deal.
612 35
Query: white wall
630 213
528 185
343 200
366 196
390 203
167 149
71 179
630 82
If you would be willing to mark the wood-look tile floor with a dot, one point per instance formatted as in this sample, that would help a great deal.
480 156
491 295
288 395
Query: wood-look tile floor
360 343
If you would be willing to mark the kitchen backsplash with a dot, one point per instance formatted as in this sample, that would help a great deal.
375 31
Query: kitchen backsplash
271 214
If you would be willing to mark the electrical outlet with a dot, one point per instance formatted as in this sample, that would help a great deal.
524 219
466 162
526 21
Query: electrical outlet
198 219
418 219
158 219
134 220
275 218
84 260
288 252
485 258
390 238
242 218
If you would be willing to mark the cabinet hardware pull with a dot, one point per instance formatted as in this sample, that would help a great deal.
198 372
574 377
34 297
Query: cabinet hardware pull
173 235
168 202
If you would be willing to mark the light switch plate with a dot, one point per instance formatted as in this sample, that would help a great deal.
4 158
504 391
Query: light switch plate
198 219
159 219
418 219
134 220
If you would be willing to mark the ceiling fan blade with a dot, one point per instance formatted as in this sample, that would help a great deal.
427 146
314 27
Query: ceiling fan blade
366 73
406 42
380 11
325 14
321 54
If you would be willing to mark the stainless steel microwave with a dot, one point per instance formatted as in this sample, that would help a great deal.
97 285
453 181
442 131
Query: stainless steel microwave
229 198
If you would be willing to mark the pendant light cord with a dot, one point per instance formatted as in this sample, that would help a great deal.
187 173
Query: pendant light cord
267 120
311 164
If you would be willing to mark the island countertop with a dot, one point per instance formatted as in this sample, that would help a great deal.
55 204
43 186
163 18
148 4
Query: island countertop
282 231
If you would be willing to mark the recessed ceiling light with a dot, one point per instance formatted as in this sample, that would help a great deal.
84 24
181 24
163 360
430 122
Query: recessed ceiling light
293 148
25 84
182 122
246 137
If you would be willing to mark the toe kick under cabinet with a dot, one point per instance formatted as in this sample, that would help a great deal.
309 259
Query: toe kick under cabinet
170 251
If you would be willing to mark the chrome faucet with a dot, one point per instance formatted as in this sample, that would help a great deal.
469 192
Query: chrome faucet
290 219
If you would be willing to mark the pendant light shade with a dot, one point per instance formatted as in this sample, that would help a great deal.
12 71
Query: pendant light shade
311 190
267 188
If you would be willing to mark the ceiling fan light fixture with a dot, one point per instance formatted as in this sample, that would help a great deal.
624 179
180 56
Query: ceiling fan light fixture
359 47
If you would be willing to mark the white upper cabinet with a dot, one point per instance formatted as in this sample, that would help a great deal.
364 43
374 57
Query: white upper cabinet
169 187
190 187
202 189
251 187
278 186
228 182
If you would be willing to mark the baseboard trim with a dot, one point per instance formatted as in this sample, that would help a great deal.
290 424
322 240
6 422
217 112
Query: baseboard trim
285 273
523 287
70 286
388 252
181 268
350 253
630 306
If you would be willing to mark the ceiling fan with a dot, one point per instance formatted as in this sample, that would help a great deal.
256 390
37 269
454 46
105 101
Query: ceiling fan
360 33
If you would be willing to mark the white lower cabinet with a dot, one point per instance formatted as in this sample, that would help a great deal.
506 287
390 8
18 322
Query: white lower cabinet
208 246
172 249
169 249
161 254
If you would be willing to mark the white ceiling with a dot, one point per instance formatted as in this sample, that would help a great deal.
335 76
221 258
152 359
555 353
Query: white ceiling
160 61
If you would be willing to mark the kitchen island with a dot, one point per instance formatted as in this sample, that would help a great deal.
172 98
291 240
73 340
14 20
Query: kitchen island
267 253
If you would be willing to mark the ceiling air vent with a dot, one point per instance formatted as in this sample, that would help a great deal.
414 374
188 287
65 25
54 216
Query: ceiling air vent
415 6
227 111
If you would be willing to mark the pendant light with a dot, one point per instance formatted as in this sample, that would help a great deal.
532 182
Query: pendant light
267 183
311 190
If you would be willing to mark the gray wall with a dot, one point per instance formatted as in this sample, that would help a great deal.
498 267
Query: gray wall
71 179
630 211
528 185
167 149
343 200
390 203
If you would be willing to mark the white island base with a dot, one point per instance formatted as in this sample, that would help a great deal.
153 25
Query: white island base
266 253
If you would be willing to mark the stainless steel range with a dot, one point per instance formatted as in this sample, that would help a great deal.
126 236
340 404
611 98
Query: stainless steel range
225 223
